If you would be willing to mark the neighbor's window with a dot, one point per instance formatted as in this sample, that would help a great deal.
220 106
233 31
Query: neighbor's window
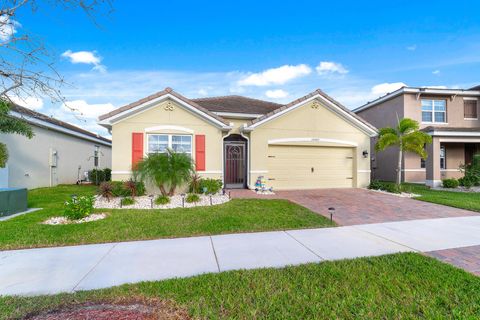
158 143
470 108
443 164
423 161
434 111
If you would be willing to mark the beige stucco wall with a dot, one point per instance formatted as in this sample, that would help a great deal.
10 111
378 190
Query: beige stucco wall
455 112
29 160
308 122
156 116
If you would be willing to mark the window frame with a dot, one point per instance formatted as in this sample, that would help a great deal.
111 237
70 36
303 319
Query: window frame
169 141
434 111
476 108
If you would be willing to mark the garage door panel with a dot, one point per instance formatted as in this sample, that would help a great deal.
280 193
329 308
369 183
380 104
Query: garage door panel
290 167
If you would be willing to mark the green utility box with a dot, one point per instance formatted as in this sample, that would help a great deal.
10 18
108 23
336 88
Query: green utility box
12 200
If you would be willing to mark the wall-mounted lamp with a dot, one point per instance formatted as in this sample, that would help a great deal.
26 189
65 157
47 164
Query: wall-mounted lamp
365 153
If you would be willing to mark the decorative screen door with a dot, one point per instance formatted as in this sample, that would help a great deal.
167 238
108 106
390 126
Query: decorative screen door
235 165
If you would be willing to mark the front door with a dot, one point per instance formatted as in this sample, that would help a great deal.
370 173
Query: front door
235 164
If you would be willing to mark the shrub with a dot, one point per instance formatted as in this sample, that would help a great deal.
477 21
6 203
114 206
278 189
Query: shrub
385 186
131 187
472 172
96 176
192 197
107 174
105 190
194 185
119 189
210 186
375 185
78 207
127 201
450 183
162 200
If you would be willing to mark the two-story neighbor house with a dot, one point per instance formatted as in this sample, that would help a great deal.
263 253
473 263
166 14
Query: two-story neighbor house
450 116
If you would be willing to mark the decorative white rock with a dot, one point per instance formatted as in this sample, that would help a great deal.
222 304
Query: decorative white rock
145 202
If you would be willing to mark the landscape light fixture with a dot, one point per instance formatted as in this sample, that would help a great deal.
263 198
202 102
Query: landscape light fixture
331 210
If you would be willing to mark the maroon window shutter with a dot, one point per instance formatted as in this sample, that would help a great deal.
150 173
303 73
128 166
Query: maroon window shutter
137 147
200 152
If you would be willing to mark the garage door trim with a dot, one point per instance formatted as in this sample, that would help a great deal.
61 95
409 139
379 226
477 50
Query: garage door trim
312 139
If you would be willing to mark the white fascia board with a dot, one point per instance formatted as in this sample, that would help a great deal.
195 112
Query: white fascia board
417 90
347 116
454 133
59 128
238 115
151 103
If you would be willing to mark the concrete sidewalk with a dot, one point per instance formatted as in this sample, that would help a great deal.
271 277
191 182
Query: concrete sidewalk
66 269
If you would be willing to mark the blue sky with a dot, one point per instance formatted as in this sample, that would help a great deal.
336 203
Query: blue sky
279 51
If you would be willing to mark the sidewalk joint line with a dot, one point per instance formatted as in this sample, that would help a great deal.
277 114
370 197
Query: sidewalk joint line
96 264
303 245
214 253
382 237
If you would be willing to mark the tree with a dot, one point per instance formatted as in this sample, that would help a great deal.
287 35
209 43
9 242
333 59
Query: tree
9 124
27 68
407 137
165 170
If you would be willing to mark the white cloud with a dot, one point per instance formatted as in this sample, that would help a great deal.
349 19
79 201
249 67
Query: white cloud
33 103
384 88
280 75
276 94
8 28
82 109
412 47
436 72
85 57
202 92
330 67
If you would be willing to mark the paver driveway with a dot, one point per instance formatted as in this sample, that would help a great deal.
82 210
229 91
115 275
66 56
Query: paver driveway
360 206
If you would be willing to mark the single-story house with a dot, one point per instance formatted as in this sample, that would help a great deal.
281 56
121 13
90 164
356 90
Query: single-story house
311 142
59 153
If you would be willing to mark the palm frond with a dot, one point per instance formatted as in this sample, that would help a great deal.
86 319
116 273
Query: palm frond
407 125
387 140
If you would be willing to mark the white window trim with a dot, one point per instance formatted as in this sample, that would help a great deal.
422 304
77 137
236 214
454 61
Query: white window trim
434 111
170 140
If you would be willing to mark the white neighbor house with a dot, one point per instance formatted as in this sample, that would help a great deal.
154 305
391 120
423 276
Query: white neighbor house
59 153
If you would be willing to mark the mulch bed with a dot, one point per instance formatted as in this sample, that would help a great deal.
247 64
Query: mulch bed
115 311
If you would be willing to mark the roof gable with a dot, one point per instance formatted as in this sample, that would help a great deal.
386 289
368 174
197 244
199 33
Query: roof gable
151 101
332 104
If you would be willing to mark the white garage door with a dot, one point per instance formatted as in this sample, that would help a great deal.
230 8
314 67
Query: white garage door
307 167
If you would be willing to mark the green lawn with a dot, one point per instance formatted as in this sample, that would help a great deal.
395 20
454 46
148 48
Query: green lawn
121 225
469 201
401 286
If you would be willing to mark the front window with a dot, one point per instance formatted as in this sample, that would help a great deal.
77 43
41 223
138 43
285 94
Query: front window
158 143
443 164
434 111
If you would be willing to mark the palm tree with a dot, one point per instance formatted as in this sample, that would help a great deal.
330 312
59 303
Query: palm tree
165 170
407 137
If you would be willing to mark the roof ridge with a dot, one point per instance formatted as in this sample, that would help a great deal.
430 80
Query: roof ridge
236 95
